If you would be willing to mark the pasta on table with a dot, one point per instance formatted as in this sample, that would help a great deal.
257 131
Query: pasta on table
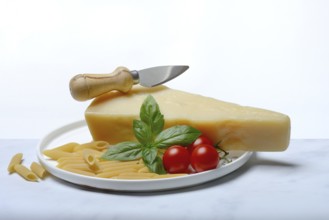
36 170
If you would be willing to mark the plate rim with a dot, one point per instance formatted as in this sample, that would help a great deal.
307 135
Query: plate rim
138 185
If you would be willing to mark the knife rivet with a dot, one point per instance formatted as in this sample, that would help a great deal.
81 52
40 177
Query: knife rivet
135 76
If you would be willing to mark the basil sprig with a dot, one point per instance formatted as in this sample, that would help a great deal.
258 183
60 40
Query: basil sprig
151 137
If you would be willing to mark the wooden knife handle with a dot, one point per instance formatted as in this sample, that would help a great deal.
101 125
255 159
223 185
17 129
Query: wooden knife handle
87 86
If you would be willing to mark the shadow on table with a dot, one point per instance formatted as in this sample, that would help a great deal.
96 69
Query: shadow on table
254 161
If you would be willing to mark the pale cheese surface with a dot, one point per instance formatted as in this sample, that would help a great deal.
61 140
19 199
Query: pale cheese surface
110 117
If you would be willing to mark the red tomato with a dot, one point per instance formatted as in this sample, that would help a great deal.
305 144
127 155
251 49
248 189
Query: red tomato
200 140
204 157
176 159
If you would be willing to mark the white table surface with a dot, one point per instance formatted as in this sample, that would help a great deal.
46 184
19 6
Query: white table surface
288 185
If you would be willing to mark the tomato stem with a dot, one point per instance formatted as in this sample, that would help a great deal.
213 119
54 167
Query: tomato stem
221 150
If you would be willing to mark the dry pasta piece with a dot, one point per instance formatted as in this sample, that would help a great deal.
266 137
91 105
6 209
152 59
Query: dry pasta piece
108 162
134 175
91 159
38 170
70 159
122 166
16 159
56 154
77 171
119 164
97 145
111 174
69 147
144 170
97 153
67 162
78 166
25 173
135 167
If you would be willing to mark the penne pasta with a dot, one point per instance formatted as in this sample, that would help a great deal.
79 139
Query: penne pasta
56 154
121 165
78 166
16 159
38 170
64 163
90 158
144 170
97 145
85 159
110 174
134 167
70 159
25 172
91 151
69 147
107 162
117 163
82 172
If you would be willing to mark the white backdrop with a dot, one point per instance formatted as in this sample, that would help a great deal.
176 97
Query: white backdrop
269 54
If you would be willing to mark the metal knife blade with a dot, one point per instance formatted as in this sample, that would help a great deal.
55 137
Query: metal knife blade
157 75
87 86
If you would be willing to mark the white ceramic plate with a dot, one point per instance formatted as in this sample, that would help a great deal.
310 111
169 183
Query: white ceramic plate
78 132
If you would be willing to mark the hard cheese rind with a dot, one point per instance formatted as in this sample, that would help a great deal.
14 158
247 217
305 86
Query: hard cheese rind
110 118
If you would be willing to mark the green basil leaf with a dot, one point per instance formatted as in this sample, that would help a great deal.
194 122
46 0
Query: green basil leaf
157 125
149 154
142 132
156 166
179 134
151 115
124 151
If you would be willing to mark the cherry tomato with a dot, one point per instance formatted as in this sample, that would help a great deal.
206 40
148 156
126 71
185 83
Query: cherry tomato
202 139
176 159
204 157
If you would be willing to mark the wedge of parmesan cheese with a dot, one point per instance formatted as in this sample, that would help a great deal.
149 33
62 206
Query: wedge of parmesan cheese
110 118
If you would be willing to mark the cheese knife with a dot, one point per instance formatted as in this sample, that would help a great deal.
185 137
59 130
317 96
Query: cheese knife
87 86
